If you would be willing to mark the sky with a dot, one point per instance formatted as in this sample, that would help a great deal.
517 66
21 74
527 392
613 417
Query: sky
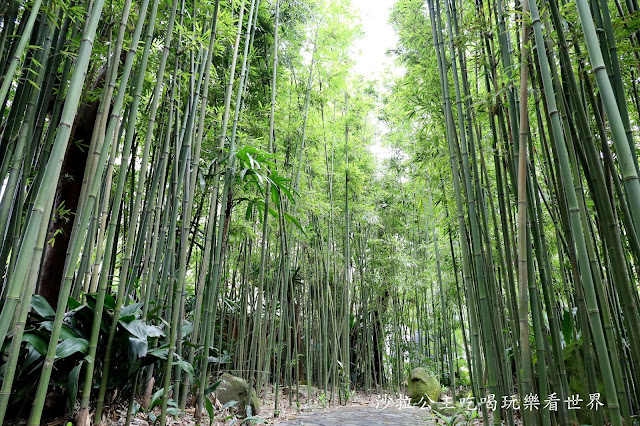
378 36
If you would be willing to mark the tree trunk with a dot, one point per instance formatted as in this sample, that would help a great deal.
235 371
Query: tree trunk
66 201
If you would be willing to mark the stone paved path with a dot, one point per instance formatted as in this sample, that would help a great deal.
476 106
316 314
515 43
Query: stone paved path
362 416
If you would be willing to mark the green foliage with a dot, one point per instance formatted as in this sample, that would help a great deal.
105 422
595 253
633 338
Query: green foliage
457 417
354 182
156 401
447 420
131 351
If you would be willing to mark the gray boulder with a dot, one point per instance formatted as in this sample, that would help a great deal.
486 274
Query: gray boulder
234 388
422 387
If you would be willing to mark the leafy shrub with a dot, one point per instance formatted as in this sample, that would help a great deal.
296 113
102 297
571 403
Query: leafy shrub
131 352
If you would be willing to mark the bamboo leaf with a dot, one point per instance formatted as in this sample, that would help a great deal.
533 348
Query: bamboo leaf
221 360
130 311
173 411
32 357
37 342
137 328
209 406
160 353
65 332
73 303
156 399
71 346
42 307
229 404
185 366
153 331
295 222
137 348
72 386
274 196
212 388
249 211
187 329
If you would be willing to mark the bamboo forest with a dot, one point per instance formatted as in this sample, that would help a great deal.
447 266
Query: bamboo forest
320 212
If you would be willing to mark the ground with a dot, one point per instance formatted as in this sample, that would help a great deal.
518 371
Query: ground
362 410
363 416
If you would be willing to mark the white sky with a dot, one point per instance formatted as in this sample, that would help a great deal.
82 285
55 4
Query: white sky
378 38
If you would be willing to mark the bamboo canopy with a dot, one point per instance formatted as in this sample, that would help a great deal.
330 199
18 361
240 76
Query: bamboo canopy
198 190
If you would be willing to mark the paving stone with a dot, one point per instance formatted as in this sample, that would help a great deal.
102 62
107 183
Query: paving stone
362 416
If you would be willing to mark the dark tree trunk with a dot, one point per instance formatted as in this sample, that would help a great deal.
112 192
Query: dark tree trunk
66 200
